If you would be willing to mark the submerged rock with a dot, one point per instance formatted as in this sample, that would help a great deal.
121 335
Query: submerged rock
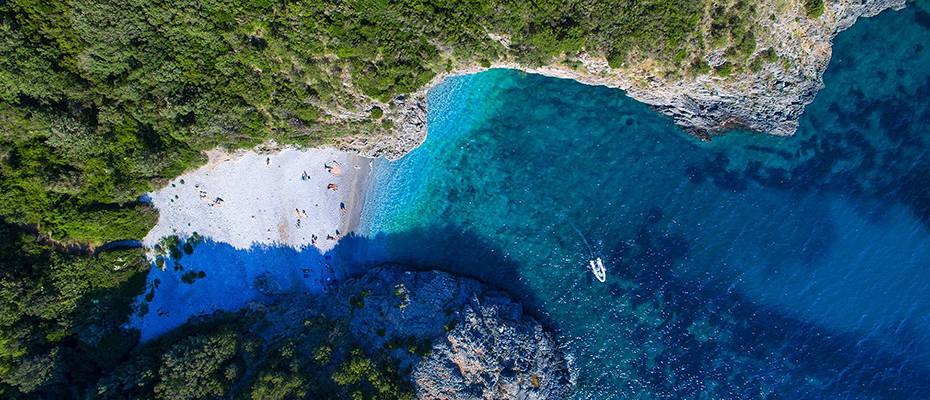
770 99
459 338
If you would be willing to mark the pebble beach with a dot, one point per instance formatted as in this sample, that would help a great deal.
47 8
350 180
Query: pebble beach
294 198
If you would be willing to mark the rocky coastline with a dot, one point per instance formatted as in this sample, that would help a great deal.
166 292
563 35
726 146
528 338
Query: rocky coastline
479 343
770 100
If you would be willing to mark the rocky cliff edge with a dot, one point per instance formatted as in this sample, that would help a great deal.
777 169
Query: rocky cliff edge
475 342
769 100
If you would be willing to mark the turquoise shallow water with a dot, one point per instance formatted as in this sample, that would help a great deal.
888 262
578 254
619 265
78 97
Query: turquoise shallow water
747 267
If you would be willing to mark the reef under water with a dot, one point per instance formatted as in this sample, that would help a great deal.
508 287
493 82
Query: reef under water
749 266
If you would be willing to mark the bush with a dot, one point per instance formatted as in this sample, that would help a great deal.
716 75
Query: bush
197 367
108 224
724 70
814 8
358 300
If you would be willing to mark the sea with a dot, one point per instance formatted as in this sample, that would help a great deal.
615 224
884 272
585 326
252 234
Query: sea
750 266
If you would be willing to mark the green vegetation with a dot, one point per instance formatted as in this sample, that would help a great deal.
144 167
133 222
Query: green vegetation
731 29
101 101
377 113
225 357
814 8
725 69
60 314
358 300
765 56
199 367
60 337
411 345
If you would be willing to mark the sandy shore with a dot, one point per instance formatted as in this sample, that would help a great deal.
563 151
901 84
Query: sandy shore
357 192
291 197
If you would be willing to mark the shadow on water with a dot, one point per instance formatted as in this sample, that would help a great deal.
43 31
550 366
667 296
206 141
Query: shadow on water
713 334
451 249
218 277
741 343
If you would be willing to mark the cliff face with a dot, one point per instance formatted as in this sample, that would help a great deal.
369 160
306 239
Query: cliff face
770 99
460 339
494 352
773 99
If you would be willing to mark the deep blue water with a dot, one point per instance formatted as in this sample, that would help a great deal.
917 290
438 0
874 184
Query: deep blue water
748 267
751 266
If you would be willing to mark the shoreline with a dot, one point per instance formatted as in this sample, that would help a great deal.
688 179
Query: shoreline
358 194
269 219
770 100
266 197
686 101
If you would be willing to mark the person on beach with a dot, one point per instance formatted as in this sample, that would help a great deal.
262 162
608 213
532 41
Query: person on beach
335 168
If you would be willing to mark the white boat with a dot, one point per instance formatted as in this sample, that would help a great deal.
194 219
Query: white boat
597 266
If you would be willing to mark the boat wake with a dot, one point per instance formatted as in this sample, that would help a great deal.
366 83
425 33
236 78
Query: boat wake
596 263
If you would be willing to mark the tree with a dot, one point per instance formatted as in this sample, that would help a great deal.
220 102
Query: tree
198 367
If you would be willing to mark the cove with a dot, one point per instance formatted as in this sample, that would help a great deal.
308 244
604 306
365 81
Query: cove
750 266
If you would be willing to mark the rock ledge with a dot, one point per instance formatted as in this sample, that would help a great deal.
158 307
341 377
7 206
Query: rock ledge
770 100
481 343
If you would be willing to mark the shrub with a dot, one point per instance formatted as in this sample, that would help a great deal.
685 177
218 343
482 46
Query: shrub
814 8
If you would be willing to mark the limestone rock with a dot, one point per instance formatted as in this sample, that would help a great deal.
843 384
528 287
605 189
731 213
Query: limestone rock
494 353
770 100
481 344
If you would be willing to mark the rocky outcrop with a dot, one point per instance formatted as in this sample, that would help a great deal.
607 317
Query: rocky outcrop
493 353
408 117
770 100
460 339
773 99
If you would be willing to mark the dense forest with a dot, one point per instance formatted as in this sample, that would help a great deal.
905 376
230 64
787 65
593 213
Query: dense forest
61 318
102 100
